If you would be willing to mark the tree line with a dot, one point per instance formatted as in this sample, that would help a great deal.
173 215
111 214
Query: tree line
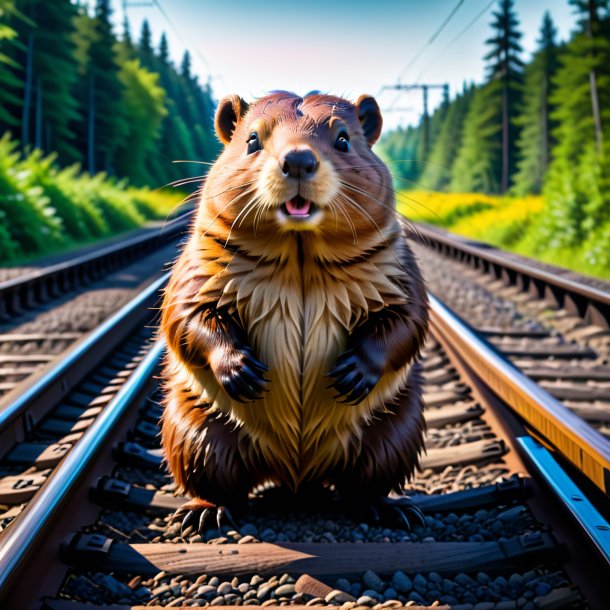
536 127
69 85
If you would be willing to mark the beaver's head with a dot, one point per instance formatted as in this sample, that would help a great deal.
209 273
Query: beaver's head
298 164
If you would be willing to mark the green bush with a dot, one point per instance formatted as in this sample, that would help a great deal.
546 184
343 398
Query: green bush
44 209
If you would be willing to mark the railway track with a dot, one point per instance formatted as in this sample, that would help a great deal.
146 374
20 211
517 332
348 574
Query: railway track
553 325
505 526
47 311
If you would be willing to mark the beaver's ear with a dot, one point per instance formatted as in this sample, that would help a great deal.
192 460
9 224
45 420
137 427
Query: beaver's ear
370 118
231 109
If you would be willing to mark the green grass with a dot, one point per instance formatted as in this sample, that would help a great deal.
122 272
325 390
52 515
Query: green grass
44 210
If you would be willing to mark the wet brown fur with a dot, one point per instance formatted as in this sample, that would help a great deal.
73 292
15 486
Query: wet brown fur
298 297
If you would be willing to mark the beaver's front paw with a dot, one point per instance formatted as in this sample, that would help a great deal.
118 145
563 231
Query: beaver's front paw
356 373
241 374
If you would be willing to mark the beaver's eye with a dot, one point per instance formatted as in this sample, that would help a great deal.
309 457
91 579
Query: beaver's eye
342 142
254 143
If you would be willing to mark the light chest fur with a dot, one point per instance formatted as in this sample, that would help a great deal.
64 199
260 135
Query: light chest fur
298 311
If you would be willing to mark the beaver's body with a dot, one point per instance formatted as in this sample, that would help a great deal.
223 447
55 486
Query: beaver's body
297 264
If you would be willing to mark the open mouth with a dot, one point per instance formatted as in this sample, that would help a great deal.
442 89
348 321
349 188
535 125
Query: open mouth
298 207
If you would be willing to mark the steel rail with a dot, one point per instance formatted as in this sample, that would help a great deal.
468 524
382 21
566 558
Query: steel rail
24 292
589 302
571 436
22 537
53 382
583 513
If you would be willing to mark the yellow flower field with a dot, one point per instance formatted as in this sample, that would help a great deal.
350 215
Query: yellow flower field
507 222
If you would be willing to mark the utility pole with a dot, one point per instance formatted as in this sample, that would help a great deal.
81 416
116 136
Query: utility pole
426 116
27 94
592 22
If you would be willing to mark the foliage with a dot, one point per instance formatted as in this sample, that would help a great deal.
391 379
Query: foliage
578 181
70 86
12 85
436 173
44 209
144 109
536 140
477 166
49 72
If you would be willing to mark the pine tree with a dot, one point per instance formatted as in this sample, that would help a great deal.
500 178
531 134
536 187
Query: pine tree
100 91
437 170
185 66
11 91
506 67
535 141
399 149
477 165
49 73
590 12
145 48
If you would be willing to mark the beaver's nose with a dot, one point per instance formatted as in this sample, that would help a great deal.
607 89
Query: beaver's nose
299 163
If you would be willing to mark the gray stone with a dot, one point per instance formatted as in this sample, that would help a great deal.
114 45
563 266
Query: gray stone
464 580
225 588
515 580
340 597
263 593
483 578
373 593
390 593
207 591
365 600
401 582
249 529
420 583
372 581
414 596
343 584
268 535
285 590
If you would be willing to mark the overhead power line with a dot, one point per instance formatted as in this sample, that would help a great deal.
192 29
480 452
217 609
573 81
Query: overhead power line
177 32
455 39
431 39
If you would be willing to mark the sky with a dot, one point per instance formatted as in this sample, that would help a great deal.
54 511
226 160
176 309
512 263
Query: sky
344 47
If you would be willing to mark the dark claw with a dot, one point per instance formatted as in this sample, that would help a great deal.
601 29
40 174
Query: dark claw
416 512
246 382
408 510
355 375
252 360
358 394
223 514
189 519
205 513
345 385
402 518
341 368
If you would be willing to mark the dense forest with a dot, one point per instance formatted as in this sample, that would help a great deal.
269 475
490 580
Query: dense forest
73 87
87 117
540 126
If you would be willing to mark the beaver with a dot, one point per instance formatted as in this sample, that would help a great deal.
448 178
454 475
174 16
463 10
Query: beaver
295 314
